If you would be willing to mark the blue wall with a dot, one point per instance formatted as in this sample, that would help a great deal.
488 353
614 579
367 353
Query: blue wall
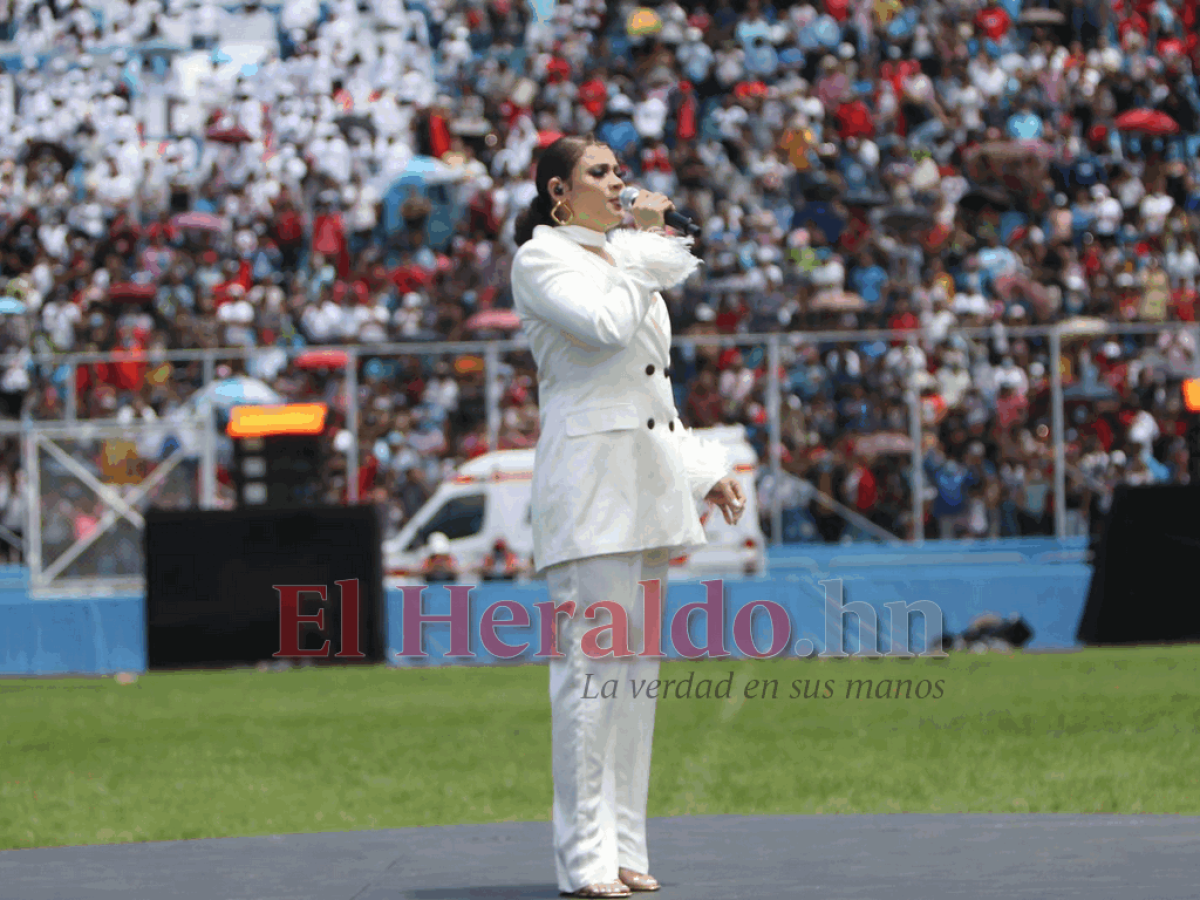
1043 580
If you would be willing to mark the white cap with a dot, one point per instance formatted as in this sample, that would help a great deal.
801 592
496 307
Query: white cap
438 543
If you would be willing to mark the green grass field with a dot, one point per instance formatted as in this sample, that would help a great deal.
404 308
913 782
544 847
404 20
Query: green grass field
240 752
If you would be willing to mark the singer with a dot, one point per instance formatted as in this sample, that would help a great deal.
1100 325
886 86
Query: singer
616 483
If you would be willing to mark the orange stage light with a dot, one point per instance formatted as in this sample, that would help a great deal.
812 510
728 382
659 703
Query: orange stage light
265 421
1191 394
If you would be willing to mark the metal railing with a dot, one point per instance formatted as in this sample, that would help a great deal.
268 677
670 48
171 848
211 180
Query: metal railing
775 344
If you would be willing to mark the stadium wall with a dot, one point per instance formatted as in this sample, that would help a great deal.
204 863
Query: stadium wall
1043 580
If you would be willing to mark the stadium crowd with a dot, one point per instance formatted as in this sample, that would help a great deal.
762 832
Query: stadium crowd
915 167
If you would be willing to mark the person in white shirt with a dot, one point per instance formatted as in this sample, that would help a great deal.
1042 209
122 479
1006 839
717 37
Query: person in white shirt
1155 207
938 321
1182 264
650 116
987 76
1107 210
1011 374
237 315
59 319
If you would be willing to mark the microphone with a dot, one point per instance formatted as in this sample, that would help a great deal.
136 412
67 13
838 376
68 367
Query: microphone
676 220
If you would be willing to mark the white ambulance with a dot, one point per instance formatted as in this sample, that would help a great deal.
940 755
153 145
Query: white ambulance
489 498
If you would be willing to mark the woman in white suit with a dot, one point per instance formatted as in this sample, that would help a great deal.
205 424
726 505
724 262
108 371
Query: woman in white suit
616 483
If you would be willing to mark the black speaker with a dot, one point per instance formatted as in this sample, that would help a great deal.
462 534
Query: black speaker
1192 438
217 584
276 471
1142 588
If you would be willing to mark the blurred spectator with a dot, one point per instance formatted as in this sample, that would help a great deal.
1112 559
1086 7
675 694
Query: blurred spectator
917 167
439 565
500 564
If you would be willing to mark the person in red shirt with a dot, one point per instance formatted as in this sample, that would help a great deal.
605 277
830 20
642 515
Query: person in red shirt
704 405
558 69
993 21
593 95
854 120
839 10
1183 304
903 319
329 239
860 486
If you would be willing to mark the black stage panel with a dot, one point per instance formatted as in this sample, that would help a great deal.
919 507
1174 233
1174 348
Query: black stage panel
211 578
1144 587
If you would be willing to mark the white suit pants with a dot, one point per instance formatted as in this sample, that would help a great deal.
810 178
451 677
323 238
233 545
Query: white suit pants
601 745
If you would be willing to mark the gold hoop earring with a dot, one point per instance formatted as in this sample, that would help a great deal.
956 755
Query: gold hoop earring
554 213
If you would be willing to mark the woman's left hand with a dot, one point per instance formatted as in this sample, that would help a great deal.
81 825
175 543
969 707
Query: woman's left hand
728 497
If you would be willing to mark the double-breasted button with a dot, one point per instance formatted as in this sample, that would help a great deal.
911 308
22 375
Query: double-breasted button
672 425
650 369
650 423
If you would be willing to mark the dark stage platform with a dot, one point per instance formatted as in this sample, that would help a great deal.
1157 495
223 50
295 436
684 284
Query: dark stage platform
898 857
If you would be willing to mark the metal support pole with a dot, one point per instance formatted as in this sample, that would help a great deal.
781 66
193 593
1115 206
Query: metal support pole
492 394
774 437
208 459
33 504
208 466
351 386
72 392
915 436
1056 428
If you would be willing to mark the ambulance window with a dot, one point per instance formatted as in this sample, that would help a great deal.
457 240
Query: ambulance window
458 517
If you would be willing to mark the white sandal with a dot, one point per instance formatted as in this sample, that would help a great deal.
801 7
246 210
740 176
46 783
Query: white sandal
601 889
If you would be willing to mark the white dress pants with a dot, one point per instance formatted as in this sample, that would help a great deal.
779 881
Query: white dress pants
601 745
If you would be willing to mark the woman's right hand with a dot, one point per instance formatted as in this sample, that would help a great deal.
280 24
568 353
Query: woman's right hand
649 208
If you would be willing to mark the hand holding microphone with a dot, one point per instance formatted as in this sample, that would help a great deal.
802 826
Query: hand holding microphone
652 210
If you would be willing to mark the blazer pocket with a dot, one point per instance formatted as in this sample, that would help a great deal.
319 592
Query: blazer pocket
622 417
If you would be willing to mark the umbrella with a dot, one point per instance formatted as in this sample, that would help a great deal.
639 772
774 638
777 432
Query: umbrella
322 359
423 170
907 218
240 390
421 334
838 301
201 221
158 45
10 306
1083 326
234 134
988 198
1004 151
1081 393
866 198
1041 16
347 124
476 127
54 149
129 292
884 443
493 320
465 365
1015 287
643 21
1147 121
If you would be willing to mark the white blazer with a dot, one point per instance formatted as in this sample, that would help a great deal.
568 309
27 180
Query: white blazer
615 470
